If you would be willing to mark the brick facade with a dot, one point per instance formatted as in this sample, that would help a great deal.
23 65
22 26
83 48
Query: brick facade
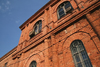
51 46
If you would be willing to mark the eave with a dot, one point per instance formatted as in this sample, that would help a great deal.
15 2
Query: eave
33 17
58 28
9 53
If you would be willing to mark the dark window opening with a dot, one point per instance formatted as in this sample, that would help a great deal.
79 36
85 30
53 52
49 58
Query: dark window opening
64 8
33 64
37 29
5 64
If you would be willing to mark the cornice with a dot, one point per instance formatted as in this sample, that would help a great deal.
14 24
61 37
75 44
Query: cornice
58 28
74 18
39 12
9 53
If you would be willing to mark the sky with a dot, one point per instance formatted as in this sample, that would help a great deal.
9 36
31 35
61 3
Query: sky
13 13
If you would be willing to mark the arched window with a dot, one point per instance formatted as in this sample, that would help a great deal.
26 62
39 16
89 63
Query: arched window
33 64
79 54
64 8
5 65
37 29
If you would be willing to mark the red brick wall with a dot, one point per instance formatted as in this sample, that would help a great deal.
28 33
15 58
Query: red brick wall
51 47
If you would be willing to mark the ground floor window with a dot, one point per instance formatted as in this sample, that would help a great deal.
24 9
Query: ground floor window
79 54
33 64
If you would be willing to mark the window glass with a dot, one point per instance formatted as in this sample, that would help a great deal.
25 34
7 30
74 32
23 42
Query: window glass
77 58
79 65
33 64
40 26
87 63
61 12
67 5
74 50
84 56
63 9
5 64
79 53
36 30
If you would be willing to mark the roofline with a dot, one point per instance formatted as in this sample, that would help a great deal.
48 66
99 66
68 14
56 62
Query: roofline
38 12
9 53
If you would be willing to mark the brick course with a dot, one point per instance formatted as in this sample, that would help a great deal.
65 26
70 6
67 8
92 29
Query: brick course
51 47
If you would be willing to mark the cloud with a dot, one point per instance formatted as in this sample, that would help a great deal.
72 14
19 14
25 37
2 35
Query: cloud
8 2
2 3
5 6
17 21
9 13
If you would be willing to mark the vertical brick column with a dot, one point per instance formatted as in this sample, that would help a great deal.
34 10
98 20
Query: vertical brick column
89 17
90 20
96 39
17 63
46 17
54 51
21 61
46 52
50 9
45 27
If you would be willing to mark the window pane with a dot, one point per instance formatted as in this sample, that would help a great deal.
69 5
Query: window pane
87 63
5 64
61 12
80 46
79 65
84 56
77 58
40 27
74 50
67 5
75 44
33 64
68 9
36 29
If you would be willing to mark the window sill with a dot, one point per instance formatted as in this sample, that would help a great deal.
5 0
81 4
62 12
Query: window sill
35 37
67 16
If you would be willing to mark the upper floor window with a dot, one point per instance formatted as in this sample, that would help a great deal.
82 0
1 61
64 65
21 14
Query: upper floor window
63 9
33 64
5 64
79 54
37 28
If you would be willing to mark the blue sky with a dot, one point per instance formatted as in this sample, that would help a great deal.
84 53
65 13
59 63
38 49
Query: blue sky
13 13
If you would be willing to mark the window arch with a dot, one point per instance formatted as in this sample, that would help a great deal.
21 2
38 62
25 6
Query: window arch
64 8
33 64
79 54
36 29
5 64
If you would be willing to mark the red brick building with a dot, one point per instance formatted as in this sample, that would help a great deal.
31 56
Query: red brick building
63 33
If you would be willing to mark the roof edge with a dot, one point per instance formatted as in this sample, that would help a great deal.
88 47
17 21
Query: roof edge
39 11
9 53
